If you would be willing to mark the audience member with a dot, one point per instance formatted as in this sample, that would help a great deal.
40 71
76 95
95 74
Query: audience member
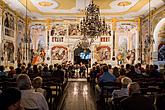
12 72
123 91
106 76
59 74
29 98
37 85
10 99
2 73
18 69
160 102
136 101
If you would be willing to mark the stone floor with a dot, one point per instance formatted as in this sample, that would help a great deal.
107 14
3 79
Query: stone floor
78 96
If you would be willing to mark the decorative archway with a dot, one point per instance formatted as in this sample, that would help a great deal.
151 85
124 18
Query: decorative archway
156 39
82 55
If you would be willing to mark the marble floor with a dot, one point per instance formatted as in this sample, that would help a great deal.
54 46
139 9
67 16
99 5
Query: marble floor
78 96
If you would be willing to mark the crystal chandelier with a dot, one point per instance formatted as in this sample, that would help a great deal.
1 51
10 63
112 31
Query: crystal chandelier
92 26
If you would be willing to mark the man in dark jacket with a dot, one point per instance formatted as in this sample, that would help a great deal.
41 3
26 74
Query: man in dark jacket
136 101
59 74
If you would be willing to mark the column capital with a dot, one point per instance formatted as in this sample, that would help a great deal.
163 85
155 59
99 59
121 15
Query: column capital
114 20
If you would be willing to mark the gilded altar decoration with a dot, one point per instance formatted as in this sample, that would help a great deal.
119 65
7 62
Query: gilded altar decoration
38 43
73 30
58 30
59 53
9 26
102 53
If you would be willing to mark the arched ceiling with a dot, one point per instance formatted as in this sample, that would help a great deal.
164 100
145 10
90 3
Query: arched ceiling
42 9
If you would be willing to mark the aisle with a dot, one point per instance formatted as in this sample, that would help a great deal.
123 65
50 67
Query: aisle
78 96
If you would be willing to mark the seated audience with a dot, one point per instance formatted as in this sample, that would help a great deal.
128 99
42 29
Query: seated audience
29 98
106 76
10 99
136 101
37 84
123 91
160 102
18 69
2 73
12 72
59 74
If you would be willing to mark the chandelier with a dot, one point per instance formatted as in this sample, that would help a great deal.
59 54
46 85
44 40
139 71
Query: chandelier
91 26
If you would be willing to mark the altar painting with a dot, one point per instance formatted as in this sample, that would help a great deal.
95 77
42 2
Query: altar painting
161 46
102 53
74 30
9 51
59 53
58 30
38 43
9 22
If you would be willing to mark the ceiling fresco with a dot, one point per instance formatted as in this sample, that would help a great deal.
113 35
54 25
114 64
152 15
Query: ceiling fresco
75 8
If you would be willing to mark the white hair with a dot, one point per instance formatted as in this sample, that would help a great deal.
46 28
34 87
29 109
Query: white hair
23 82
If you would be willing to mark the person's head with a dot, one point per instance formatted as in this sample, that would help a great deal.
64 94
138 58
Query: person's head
55 65
11 67
122 72
125 81
110 66
136 66
155 67
35 67
23 82
19 65
29 65
2 68
23 67
116 71
127 66
139 65
50 67
37 82
105 68
59 67
10 99
133 87
122 66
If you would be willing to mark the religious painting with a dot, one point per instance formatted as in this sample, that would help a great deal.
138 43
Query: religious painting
74 30
122 47
20 40
58 30
59 53
9 51
102 53
108 30
9 22
38 43
161 46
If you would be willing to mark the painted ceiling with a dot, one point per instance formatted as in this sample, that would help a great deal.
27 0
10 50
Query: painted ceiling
41 9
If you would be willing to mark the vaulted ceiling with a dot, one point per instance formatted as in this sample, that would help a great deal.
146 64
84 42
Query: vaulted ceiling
42 9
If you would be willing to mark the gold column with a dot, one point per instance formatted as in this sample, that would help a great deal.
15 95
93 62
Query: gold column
114 21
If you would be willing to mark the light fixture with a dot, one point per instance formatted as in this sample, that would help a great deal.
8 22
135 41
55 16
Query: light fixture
91 26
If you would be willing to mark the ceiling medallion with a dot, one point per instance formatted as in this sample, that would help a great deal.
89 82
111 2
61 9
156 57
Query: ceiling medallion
125 3
45 4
